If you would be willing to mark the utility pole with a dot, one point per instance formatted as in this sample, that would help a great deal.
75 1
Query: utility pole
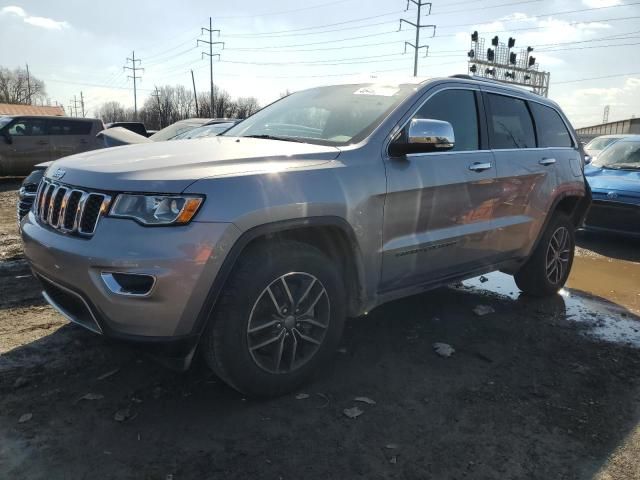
70 109
417 25
157 95
28 85
605 115
211 43
74 107
195 94
82 104
134 68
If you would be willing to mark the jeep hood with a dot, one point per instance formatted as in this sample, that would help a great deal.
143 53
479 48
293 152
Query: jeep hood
170 167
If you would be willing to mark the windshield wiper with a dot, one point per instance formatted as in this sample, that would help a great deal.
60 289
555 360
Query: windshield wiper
274 137
622 166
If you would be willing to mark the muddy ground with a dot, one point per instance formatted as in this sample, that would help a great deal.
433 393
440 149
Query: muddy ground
544 389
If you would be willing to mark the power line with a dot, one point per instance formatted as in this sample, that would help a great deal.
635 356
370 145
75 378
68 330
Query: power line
549 14
589 47
281 12
617 75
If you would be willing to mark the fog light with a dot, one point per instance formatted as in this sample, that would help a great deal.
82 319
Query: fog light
129 284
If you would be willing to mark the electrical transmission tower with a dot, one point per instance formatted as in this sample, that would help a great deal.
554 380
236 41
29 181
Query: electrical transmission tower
418 26
211 43
605 115
82 104
134 68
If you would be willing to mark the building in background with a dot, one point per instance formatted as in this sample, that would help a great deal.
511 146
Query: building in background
14 109
631 125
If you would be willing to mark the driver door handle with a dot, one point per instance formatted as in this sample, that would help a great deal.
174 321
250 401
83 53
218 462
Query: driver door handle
547 161
480 167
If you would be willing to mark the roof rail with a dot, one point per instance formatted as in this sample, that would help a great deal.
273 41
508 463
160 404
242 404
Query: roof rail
464 76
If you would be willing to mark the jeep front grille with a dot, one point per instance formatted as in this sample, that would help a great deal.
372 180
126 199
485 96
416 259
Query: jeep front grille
69 209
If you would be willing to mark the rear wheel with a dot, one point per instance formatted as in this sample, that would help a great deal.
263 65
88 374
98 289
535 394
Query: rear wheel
279 318
548 268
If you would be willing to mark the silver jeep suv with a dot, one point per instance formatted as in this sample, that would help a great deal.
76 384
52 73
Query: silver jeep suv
253 247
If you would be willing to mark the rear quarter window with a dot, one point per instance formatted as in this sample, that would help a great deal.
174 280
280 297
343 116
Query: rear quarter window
69 127
552 131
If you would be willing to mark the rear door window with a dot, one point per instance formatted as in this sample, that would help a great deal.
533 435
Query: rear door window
458 107
69 127
510 124
29 127
552 132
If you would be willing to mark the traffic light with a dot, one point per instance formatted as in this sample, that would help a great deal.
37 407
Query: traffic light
494 41
532 61
512 42
471 53
474 36
491 55
490 71
512 58
473 69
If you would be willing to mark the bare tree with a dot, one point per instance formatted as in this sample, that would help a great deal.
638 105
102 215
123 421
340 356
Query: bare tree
246 106
14 87
175 103
111 112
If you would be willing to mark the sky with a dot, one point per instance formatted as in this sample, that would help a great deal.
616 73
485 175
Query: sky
278 45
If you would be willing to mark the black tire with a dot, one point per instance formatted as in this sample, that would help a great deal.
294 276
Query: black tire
226 341
535 277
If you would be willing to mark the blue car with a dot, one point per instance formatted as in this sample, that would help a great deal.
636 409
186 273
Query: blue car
614 178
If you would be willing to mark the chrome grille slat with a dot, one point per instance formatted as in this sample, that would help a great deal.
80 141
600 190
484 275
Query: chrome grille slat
63 208
54 199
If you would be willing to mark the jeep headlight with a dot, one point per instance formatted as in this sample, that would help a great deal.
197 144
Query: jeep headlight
156 209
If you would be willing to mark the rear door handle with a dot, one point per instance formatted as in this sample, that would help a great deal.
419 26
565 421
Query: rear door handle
480 167
547 161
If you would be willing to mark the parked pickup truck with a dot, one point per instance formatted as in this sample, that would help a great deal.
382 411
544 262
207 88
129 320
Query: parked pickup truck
28 140
252 247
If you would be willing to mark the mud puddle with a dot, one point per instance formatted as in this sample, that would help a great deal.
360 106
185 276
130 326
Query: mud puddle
615 319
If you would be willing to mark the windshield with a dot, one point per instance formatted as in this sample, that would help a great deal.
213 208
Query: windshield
204 131
4 121
600 143
336 115
174 129
621 155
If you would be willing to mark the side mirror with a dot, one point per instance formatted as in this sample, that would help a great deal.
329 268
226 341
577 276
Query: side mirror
587 159
424 136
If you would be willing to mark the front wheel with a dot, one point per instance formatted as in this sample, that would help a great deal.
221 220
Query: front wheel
548 268
279 318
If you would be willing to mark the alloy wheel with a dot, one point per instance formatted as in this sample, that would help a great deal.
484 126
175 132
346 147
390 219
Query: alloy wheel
288 322
558 255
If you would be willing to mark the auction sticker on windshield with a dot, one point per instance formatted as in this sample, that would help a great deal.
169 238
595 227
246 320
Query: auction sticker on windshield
380 91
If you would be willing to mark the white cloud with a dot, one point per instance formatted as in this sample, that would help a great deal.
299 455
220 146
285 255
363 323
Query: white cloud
601 3
42 22
584 106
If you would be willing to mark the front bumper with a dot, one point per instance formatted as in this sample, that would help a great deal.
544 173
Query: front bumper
613 217
183 260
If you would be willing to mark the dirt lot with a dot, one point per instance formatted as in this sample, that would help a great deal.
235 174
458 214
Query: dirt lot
538 389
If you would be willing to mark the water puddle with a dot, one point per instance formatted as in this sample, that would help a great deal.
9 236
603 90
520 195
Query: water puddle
600 318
